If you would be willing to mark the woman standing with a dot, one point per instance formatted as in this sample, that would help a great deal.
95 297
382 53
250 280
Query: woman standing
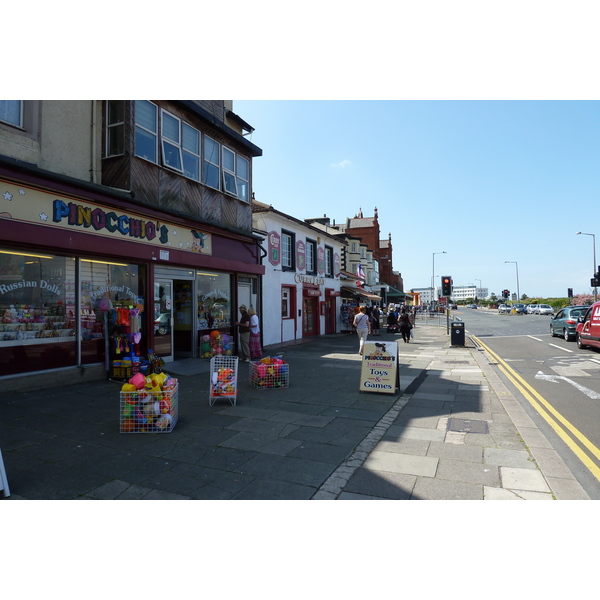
405 326
363 327
375 316
255 348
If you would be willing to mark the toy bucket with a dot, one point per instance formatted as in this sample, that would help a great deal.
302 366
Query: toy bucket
138 380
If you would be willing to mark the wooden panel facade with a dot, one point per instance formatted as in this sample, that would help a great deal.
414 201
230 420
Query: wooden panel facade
159 186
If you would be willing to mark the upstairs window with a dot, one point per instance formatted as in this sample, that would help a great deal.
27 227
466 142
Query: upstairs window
146 130
115 127
328 261
311 257
11 112
171 142
191 151
287 250
212 163
243 178
229 180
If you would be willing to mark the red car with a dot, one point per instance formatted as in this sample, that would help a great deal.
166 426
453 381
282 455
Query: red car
587 332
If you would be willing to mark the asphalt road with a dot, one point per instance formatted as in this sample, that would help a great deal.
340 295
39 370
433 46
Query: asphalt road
557 383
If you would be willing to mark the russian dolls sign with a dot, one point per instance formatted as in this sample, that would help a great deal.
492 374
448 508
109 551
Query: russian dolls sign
274 248
336 264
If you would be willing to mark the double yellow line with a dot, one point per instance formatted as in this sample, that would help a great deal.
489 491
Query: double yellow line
550 415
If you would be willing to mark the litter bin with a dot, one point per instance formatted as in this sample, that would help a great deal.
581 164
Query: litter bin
457 333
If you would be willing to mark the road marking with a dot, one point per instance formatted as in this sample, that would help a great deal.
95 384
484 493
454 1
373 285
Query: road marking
543 407
560 348
594 360
554 379
534 338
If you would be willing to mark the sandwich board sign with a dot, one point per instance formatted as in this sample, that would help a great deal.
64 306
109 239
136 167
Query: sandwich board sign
379 372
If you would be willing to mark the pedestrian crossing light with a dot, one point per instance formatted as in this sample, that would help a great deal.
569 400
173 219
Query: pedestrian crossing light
447 286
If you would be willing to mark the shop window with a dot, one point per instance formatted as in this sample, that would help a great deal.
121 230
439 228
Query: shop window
288 298
215 314
146 130
115 127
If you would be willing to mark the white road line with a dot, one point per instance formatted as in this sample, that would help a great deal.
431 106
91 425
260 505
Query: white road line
534 338
560 348
554 378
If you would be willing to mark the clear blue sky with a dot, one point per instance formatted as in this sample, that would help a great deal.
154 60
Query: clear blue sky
486 181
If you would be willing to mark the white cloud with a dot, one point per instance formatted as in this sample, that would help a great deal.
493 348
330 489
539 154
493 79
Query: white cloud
341 165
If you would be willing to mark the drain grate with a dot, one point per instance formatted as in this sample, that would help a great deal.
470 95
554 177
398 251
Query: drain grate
467 426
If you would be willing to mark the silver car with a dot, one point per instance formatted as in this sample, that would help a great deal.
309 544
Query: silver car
544 309
531 308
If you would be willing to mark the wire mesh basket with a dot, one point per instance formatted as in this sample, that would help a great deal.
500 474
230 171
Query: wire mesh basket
223 378
149 411
269 373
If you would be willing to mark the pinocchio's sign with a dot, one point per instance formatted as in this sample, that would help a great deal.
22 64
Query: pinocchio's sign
25 204
379 371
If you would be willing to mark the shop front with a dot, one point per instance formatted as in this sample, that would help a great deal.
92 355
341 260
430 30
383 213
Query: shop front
89 282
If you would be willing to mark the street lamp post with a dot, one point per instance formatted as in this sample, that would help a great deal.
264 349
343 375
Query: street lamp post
433 276
594 271
517 267
479 287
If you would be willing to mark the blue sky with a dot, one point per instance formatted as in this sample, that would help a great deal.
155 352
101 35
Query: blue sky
485 181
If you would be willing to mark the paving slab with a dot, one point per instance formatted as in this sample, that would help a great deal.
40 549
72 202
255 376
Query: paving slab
508 458
402 463
514 478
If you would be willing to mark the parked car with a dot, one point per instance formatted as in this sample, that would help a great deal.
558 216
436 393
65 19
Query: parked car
544 309
453 306
588 327
473 306
531 309
504 309
519 308
564 324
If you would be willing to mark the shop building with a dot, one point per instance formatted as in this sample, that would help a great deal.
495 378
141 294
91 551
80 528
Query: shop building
120 218
301 284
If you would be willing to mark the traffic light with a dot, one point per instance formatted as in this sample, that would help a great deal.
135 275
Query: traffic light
505 293
570 292
447 286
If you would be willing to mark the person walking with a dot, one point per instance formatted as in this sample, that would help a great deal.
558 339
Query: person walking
254 343
405 326
392 323
244 329
375 317
363 327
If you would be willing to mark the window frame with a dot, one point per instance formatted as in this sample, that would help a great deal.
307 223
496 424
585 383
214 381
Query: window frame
148 131
311 257
206 162
228 172
187 152
328 261
118 126
243 197
165 140
21 116
290 291
292 250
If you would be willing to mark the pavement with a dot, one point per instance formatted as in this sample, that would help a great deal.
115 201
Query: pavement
453 432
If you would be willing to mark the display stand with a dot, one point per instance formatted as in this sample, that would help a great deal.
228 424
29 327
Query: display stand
3 480
145 411
223 379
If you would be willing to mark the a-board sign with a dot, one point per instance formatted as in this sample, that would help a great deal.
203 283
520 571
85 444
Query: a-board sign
379 371
3 479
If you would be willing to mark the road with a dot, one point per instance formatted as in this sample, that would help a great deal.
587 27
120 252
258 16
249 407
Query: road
557 383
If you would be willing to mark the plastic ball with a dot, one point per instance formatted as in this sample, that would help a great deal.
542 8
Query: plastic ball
128 425
226 338
214 334
206 338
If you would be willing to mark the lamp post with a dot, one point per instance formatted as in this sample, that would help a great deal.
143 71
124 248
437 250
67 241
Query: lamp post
594 271
479 287
517 267
433 276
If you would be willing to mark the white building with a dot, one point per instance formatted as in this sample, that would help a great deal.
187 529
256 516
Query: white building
301 284
462 292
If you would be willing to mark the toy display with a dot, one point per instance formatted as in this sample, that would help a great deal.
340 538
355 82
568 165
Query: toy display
223 378
269 373
149 404
215 344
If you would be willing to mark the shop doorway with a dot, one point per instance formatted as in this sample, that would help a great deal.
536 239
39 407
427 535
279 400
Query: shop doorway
310 316
173 319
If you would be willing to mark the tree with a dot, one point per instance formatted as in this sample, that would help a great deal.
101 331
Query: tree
524 297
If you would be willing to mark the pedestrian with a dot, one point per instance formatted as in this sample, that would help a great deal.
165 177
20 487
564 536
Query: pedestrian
375 317
392 323
254 343
405 326
244 329
363 327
